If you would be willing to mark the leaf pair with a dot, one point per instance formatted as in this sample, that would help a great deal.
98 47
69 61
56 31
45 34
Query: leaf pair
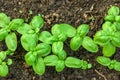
29 41
4 20
111 64
57 49
72 62
47 37
42 49
53 60
82 40
62 31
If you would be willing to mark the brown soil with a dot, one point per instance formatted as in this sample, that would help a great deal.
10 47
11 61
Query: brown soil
73 12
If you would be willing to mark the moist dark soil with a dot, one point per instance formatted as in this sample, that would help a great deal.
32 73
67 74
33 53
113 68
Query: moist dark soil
74 12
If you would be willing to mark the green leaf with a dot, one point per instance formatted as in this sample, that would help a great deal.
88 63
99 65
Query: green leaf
57 47
109 27
3 34
108 50
29 41
114 10
60 66
116 39
83 29
117 26
42 49
117 66
64 29
46 37
56 31
3 69
117 18
103 60
24 28
76 42
4 20
37 22
16 23
2 55
85 65
101 38
30 58
9 61
72 62
62 55
110 18
112 63
51 60
39 66
67 29
89 44
11 41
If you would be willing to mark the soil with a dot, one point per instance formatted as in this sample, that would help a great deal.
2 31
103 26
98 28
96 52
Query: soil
74 12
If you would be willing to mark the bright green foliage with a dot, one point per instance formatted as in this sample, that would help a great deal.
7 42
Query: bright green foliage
103 60
111 64
77 63
108 50
29 41
4 20
49 50
3 69
112 13
47 37
51 60
62 31
11 41
24 29
60 66
15 24
89 44
42 49
30 58
3 34
109 36
39 66
76 42
82 40
82 30
57 47
37 23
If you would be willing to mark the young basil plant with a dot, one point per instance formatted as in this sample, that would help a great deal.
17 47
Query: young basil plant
36 23
112 13
111 64
62 31
47 37
29 41
72 62
82 40
77 40
108 38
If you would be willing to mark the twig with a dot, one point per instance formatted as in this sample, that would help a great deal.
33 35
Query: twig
100 74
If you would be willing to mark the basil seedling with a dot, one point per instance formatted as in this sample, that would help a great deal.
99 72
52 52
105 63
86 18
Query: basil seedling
111 64
82 40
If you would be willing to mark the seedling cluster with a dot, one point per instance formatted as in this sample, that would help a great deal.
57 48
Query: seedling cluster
45 48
